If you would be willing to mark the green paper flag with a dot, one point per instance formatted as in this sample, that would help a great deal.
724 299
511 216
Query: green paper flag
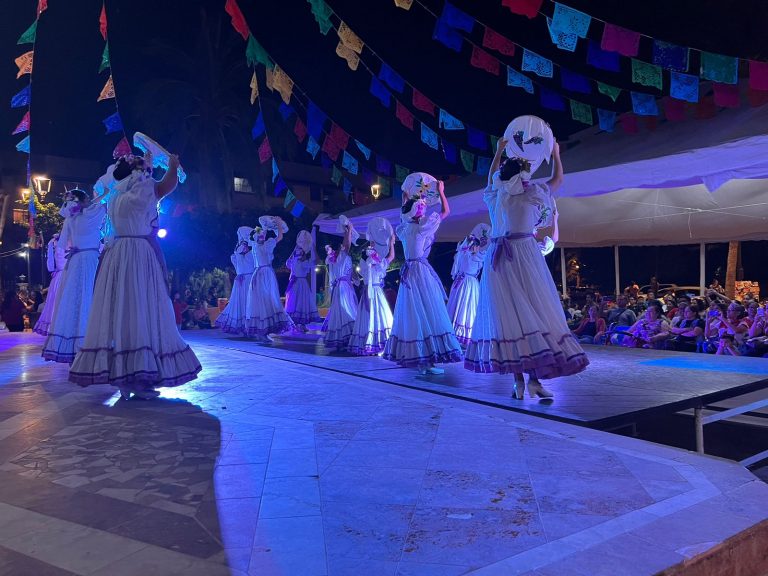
611 91
105 59
401 173
288 199
29 36
336 175
494 142
646 74
468 160
255 54
581 112
322 13
386 188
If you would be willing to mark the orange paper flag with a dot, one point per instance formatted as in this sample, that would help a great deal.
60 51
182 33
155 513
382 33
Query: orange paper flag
349 38
24 63
108 91
344 51
254 88
282 84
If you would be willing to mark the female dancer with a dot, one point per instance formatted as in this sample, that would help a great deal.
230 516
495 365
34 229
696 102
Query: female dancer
300 301
132 341
55 261
374 317
422 334
465 291
80 238
520 325
343 310
232 318
264 313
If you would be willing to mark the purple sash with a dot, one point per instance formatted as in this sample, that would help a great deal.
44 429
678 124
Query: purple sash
500 246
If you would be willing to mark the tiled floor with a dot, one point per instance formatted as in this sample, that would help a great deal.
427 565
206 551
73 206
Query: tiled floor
269 467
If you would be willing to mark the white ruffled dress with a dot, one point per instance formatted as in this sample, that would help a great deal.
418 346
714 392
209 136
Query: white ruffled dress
55 260
342 313
80 236
519 325
264 313
374 317
232 318
465 292
300 301
132 341
422 333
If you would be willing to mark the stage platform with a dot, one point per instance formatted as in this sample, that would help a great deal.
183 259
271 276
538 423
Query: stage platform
620 387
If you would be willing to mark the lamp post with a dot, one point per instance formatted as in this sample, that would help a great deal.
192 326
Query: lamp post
376 191
42 186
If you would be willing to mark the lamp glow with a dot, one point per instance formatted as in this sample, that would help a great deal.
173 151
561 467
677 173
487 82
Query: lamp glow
376 191
162 233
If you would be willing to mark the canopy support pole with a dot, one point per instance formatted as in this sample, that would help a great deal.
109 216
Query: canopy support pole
702 268
562 271
616 269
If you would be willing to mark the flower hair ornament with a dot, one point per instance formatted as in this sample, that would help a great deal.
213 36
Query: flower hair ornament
256 232
416 206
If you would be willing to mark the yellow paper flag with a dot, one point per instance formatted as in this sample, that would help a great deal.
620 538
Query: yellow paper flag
108 91
343 51
24 62
271 79
254 88
404 4
350 39
282 84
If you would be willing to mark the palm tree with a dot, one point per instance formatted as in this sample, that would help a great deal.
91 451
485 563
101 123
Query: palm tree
200 105
734 249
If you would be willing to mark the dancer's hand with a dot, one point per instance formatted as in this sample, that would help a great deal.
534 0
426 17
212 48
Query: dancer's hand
173 161
441 187
148 158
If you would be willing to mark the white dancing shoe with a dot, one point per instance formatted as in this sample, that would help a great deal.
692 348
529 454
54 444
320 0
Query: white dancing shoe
435 370
536 389
148 394
518 390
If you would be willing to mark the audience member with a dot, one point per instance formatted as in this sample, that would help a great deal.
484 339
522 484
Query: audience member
591 330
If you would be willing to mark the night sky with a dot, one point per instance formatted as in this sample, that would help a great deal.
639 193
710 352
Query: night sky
66 119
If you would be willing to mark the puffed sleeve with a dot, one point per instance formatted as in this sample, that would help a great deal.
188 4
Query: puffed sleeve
538 193
430 224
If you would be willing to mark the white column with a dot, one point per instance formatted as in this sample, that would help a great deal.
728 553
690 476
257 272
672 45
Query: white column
702 268
562 270
616 269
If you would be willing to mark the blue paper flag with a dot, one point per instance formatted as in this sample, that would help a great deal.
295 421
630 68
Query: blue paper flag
275 171
349 163
684 86
444 34
383 166
22 98
575 82
607 119
280 186
258 127
670 56
451 152
380 91
325 162
113 123
428 136
313 147
391 78
515 78
346 186
602 59
315 120
286 110
551 100
644 104
364 149
477 138
455 18
539 65
448 122
561 39
483 166
297 209
570 21
32 208
23 146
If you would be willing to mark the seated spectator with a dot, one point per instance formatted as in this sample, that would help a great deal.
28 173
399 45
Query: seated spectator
715 286
734 323
686 335
632 290
756 342
12 311
649 331
200 315
589 300
179 308
591 330
565 302
622 315
752 308
713 324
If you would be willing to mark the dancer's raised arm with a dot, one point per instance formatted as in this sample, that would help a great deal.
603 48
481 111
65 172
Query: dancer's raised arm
445 209
557 177
347 242
496 159
170 179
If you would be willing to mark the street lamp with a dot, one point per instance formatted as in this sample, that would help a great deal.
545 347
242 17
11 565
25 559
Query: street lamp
25 192
376 191
42 186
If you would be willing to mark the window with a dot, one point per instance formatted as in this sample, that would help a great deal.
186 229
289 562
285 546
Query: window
20 216
243 185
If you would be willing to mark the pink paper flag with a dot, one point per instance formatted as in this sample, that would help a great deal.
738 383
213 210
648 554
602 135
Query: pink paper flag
265 151
757 97
300 129
726 95
339 136
238 20
123 148
758 75
481 59
618 39
706 108
629 123
527 8
103 22
423 103
495 41
42 6
404 115
331 148
23 125
674 109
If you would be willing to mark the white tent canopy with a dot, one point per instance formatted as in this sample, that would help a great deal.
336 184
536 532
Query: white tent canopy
684 183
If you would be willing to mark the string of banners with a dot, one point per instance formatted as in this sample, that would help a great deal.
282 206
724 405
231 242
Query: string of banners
113 124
